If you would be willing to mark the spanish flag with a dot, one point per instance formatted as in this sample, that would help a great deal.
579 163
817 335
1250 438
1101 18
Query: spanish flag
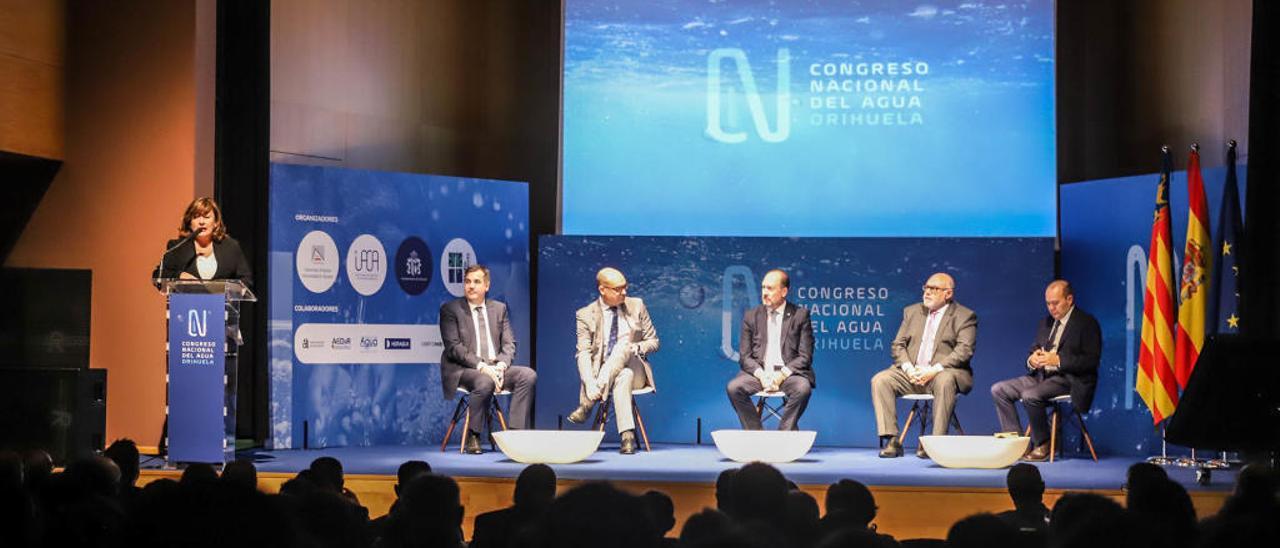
1156 383
1193 291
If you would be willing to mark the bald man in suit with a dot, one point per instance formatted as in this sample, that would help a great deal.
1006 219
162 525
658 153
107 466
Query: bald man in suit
931 355
1063 360
615 338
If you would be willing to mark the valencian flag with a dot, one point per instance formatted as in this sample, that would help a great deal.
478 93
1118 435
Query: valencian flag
1193 291
1156 383
1224 308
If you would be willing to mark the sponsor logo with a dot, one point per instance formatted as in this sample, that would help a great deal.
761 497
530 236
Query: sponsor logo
413 265
338 343
455 259
313 343
366 265
316 261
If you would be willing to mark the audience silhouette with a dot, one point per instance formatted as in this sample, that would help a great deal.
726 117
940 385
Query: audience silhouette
96 502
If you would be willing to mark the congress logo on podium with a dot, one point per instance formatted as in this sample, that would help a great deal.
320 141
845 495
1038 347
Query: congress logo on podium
198 323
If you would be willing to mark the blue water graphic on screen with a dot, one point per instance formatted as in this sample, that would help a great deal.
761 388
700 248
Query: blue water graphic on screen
817 118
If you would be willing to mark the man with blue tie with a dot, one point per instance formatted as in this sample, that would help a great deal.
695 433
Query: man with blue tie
931 355
478 348
775 354
615 337
1063 360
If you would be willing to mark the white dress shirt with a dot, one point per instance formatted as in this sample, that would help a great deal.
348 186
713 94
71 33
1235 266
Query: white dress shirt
929 339
1057 339
477 311
623 328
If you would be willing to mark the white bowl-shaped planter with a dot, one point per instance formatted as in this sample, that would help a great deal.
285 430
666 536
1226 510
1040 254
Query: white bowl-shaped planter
548 446
975 451
764 445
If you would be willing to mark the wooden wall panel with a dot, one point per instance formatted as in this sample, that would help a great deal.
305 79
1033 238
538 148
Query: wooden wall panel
32 58
129 171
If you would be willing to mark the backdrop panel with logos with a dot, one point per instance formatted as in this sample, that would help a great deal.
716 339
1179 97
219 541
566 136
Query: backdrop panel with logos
360 262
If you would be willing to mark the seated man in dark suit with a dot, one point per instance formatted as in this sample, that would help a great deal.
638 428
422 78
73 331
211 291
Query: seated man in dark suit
775 353
1063 360
478 348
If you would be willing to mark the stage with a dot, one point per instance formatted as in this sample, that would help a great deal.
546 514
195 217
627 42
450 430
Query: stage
902 486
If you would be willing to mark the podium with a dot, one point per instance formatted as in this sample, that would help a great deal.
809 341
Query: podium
202 345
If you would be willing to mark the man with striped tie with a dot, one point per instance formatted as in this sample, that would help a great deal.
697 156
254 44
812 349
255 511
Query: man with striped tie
931 355
478 348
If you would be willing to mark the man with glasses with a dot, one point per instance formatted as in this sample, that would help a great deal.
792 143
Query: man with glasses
478 348
615 336
1063 360
931 355
776 354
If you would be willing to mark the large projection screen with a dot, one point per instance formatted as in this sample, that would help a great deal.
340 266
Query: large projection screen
815 118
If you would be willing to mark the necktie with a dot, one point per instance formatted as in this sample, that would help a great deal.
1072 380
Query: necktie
485 351
1048 345
613 332
924 357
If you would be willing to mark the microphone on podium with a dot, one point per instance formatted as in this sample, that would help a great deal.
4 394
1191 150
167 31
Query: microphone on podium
160 266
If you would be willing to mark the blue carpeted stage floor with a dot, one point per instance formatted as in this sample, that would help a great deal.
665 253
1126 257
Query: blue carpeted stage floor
702 463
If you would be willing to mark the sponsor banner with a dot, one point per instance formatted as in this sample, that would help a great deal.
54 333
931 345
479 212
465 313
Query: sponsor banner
321 343
197 339
360 262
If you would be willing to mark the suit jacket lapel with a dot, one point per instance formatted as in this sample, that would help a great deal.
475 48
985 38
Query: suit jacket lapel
922 316
469 335
600 328
944 322
788 313
494 332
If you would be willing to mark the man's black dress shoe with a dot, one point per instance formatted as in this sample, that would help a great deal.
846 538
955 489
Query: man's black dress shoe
628 443
471 443
891 450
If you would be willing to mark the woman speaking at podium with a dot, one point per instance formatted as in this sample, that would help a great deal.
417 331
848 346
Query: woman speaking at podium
203 250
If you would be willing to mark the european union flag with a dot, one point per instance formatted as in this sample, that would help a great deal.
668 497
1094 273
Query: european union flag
1224 307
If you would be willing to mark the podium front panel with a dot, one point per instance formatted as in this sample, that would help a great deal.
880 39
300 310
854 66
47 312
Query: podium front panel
197 352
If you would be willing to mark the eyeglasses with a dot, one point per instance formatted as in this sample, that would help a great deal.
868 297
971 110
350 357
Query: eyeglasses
935 289
619 288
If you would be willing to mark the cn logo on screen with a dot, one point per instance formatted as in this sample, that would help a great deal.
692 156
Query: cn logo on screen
716 90
197 323
366 265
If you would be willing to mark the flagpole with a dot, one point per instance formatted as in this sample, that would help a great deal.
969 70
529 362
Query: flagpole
1163 459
